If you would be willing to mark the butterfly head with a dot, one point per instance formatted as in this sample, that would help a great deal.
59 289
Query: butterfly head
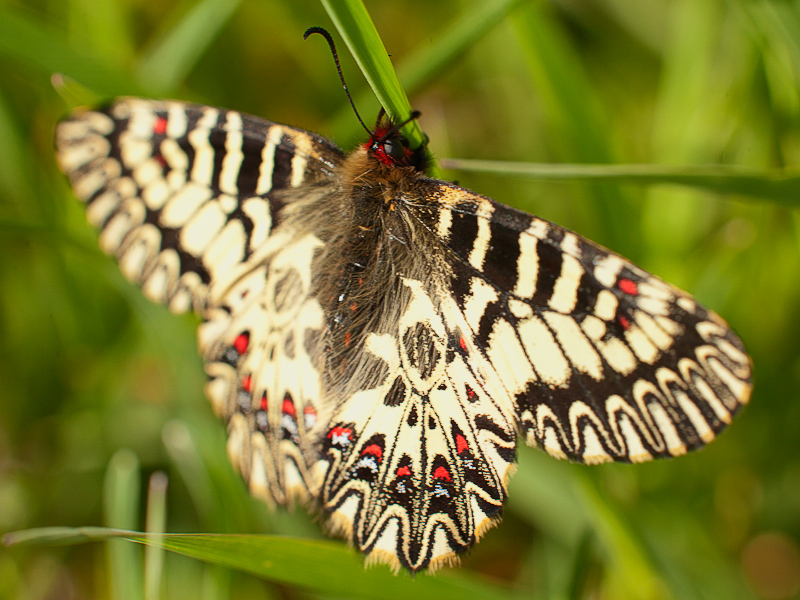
392 149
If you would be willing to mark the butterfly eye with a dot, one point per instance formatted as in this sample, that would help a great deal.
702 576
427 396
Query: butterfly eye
394 149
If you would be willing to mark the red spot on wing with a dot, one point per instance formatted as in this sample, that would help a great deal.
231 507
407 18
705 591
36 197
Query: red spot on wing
340 431
403 471
288 406
247 383
353 307
628 286
241 342
160 127
347 337
461 443
471 395
463 343
263 404
373 449
624 322
442 473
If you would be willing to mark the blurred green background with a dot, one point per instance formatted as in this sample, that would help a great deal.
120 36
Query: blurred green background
89 368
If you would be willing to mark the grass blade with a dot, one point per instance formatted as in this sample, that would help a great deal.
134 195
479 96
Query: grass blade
170 59
121 503
431 60
356 27
156 524
322 566
778 186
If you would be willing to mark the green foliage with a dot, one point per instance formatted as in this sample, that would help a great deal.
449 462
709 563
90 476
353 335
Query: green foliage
100 388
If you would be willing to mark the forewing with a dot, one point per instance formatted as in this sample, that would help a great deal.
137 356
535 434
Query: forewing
190 200
601 360
184 195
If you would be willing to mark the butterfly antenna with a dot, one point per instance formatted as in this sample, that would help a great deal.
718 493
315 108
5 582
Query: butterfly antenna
324 33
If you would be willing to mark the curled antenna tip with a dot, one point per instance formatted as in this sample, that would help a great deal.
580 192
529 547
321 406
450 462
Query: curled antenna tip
319 30
324 33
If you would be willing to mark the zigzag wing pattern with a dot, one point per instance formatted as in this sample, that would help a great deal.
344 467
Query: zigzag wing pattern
419 463
601 360
190 201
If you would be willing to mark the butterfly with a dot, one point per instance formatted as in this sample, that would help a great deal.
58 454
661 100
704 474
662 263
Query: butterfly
377 340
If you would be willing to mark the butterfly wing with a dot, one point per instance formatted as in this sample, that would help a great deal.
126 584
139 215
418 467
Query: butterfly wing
190 200
510 323
419 462
603 361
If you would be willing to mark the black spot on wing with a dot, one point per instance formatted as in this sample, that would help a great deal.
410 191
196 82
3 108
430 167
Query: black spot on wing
500 264
550 260
464 229
397 393
247 181
217 137
282 165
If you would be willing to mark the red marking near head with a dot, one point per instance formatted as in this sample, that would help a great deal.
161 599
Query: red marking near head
353 307
263 405
442 473
403 471
461 443
373 449
625 323
360 281
463 343
288 406
628 286
347 337
241 342
470 393
160 127
247 383
309 410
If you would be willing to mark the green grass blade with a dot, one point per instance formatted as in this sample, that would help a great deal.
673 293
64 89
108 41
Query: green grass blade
33 44
356 27
121 503
63 536
432 60
156 522
778 186
170 59
424 65
322 566
631 574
